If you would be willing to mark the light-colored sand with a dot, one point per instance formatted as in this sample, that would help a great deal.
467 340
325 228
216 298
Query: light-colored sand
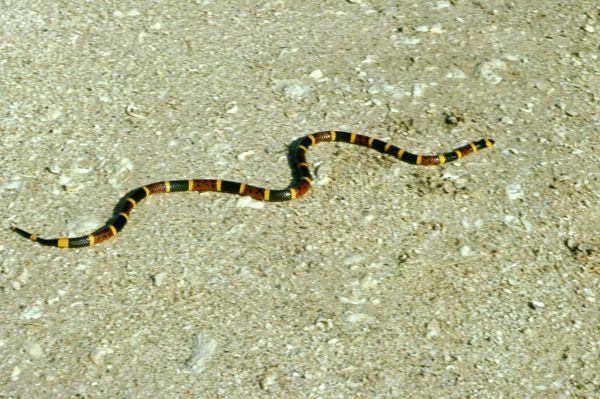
477 279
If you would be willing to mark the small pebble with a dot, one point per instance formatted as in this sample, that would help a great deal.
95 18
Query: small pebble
357 317
455 73
589 295
159 278
528 226
410 41
465 251
535 305
247 202
203 347
64 180
81 171
368 282
316 74
242 156
54 114
488 70
34 349
451 120
16 372
352 300
268 380
417 89
441 5
354 259
97 355
33 312
514 191
124 165
23 277
131 109
432 329
82 225
437 29
392 90
296 91
12 185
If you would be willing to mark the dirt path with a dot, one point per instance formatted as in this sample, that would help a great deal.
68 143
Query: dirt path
476 279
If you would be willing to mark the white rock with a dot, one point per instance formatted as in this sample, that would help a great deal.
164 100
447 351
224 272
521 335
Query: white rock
159 278
268 380
354 259
34 349
203 347
316 74
368 282
352 301
33 312
511 57
465 251
417 89
455 73
16 372
54 114
64 180
441 5
82 225
589 29
528 225
537 304
392 90
514 191
97 355
247 202
242 156
432 329
131 109
23 277
296 91
81 171
437 29
357 317
488 70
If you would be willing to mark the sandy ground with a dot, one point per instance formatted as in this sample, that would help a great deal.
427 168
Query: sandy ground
477 279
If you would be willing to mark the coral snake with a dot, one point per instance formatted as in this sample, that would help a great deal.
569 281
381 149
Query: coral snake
121 215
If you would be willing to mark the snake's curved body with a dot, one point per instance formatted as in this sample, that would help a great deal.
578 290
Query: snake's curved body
116 224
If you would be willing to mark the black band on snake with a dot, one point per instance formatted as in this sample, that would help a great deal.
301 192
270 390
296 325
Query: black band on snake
121 217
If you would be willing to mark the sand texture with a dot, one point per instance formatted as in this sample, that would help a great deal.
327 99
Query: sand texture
475 279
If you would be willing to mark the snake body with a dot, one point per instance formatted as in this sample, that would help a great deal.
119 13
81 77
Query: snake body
121 215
